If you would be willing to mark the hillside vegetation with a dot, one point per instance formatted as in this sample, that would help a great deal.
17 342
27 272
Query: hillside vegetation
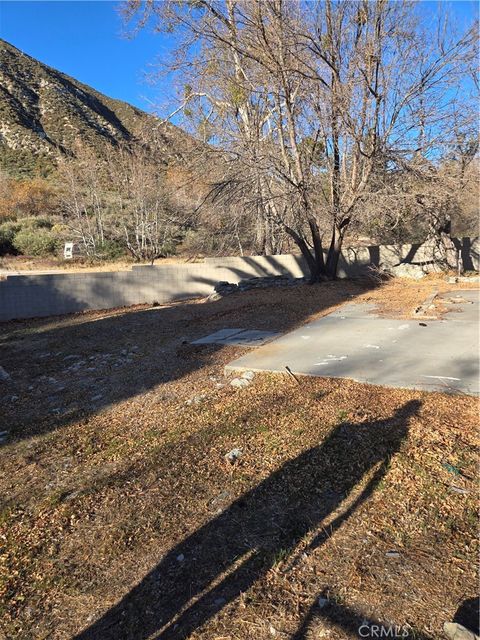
44 111
78 165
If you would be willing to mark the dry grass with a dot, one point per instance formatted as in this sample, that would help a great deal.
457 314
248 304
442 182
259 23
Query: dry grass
399 298
23 263
102 494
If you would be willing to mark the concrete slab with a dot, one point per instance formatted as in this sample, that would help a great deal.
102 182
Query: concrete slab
238 337
218 336
251 338
356 344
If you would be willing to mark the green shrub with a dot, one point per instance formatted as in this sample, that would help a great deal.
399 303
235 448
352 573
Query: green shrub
35 242
35 223
111 250
8 230
60 229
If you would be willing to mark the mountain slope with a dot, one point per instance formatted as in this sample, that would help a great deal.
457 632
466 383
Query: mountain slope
43 112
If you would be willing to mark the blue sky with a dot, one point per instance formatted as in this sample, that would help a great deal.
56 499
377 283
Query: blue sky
84 40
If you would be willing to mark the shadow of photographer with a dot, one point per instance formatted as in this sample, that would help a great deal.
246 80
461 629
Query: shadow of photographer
226 556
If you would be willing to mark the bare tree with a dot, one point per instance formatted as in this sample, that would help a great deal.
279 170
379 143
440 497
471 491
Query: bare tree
151 224
120 198
318 111
82 198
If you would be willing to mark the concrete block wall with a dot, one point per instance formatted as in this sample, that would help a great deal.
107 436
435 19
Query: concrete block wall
36 295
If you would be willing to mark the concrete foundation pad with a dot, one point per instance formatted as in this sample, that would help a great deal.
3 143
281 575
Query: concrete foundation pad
238 337
218 336
356 344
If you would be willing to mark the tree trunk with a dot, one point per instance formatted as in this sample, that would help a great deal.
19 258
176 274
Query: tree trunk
333 257
315 261
318 250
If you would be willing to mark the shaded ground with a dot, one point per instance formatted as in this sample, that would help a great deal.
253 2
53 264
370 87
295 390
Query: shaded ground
121 517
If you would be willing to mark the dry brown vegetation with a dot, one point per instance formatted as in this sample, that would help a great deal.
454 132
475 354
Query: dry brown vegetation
109 477
24 263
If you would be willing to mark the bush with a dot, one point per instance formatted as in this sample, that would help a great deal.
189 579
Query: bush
111 250
35 223
8 230
200 241
29 236
35 242
169 248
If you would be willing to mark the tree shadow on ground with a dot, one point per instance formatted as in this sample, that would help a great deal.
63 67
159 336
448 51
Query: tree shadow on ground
66 369
226 556
468 614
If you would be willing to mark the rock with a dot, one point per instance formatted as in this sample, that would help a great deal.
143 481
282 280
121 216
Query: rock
460 490
220 499
196 399
405 270
233 455
225 288
180 558
4 375
441 252
72 496
455 631
248 375
240 382
392 554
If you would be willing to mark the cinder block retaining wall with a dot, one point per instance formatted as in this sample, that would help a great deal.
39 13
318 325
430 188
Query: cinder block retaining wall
28 296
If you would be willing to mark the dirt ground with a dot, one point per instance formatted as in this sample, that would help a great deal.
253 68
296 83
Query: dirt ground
24 263
121 518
